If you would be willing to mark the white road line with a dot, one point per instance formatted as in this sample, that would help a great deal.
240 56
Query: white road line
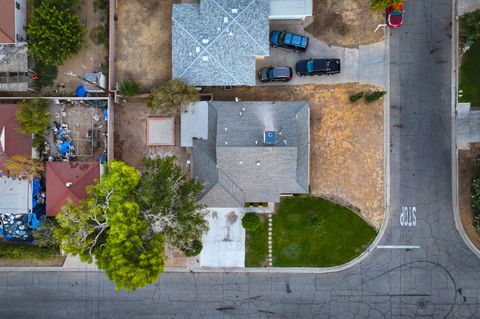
398 247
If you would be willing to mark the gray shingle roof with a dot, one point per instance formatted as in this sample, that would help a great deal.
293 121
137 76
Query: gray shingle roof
237 167
216 42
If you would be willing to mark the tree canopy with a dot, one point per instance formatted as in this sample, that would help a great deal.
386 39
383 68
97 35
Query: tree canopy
24 166
108 227
172 97
168 200
33 116
55 34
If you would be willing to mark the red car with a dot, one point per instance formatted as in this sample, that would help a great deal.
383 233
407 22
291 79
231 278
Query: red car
395 15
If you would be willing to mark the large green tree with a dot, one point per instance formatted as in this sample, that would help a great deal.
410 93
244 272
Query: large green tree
108 227
172 97
168 200
33 116
54 34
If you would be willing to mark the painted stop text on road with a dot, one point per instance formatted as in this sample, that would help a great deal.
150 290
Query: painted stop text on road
408 217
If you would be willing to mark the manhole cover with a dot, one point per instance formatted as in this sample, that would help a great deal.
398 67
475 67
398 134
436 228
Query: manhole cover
422 303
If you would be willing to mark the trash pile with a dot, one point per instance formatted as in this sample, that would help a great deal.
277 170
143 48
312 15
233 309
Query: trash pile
15 226
63 141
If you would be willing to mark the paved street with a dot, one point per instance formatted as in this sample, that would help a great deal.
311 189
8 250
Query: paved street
437 277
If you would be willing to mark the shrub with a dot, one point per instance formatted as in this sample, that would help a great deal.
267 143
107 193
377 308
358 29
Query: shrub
376 5
99 35
129 87
470 26
476 223
46 75
377 95
357 96
194 249
172 97
251 222
33 116
475 189
44 237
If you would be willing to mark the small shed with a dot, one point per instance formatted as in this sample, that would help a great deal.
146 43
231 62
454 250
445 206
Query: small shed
160 131
194 123
94 82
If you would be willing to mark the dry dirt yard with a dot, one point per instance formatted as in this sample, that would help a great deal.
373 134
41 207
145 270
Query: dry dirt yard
347 153
131 136
345 23
143 41
89 59
466 165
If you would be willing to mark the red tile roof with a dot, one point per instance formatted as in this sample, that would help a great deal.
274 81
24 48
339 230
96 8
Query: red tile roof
80 174
15 142
7 22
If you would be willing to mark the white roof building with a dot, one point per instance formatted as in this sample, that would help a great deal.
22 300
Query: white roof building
290 9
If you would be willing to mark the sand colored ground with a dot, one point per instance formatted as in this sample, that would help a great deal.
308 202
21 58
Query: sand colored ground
347 153
466 164
345 22
143 41
131 136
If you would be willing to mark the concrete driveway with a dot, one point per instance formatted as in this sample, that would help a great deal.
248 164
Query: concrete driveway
224 243
366 64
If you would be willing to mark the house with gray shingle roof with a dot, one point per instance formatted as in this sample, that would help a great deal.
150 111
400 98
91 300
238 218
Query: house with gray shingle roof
254 152
216 42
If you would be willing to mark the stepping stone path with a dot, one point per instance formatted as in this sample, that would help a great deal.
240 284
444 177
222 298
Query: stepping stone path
270 258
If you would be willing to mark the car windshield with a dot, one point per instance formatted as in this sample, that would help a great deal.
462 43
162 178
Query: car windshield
270 74
310 66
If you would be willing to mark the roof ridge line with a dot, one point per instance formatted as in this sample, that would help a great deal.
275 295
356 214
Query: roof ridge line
234 19
230 180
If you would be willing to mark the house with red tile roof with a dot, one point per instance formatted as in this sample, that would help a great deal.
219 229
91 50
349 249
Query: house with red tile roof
12 142
13 16
68 182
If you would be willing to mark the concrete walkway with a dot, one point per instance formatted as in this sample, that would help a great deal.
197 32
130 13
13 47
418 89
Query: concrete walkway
467 126
465 6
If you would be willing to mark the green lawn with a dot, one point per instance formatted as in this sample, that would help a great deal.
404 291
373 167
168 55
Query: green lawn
469 76
257 246
310 232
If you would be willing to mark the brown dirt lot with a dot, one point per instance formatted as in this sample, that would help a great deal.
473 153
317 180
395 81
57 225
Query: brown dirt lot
466 168
51 262
131 136
345 23
347 153
143 41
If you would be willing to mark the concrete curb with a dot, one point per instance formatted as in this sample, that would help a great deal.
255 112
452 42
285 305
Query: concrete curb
455 79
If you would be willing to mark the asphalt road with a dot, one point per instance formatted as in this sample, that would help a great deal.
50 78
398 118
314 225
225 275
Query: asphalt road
438 277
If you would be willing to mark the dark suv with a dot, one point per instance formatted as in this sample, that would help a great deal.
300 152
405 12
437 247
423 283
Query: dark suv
318 67
287 40
277 73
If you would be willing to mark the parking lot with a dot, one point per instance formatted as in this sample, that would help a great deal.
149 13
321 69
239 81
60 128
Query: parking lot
365 64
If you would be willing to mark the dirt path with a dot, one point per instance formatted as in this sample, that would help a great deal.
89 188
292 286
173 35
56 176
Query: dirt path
345 23
143 41
466 161
346 143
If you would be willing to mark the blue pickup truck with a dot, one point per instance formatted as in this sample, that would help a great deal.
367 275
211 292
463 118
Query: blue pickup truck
287 40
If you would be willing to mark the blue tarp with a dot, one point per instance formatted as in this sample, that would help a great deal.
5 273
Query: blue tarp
64 147
15 226
105 114
35 221
80 91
